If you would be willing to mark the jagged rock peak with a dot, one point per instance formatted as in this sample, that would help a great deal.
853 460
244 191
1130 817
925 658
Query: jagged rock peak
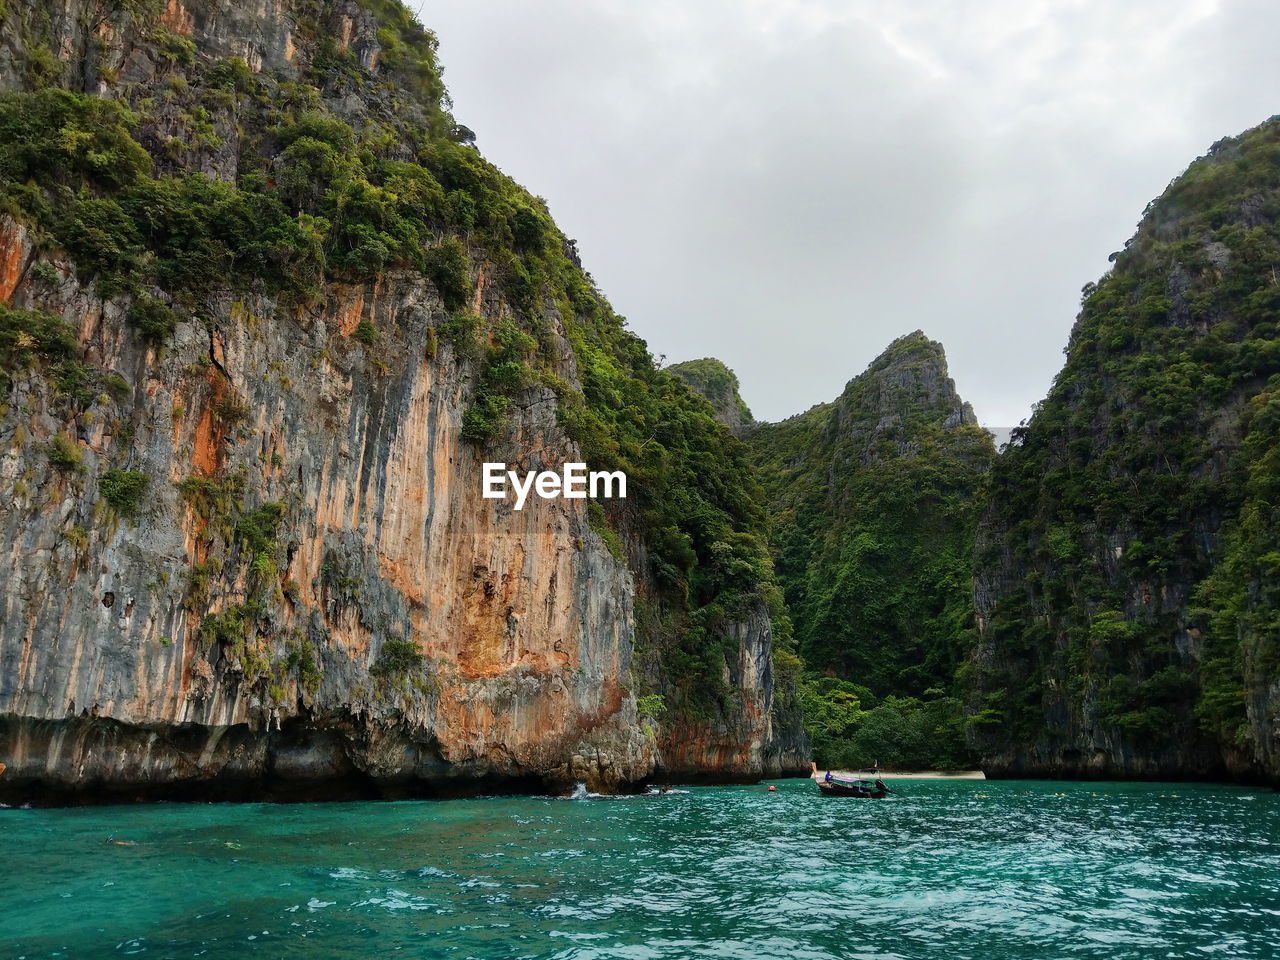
719 385
872 498
907 384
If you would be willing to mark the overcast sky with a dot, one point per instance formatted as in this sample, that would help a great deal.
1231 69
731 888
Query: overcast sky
789 185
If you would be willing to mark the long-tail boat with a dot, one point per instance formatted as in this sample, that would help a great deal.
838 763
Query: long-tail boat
831 785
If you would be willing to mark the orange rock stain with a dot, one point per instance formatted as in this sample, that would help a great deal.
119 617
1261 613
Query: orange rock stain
12 260
176 18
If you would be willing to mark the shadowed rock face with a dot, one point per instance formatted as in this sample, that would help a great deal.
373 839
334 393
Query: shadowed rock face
1125 584
402 635
709 750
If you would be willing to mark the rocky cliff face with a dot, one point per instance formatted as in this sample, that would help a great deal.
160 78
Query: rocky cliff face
1126 580
521 624
243 546
872 501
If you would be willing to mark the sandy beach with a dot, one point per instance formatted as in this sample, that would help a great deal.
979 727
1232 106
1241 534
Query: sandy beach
911 774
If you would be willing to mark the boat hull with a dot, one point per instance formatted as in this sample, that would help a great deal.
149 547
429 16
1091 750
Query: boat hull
849 790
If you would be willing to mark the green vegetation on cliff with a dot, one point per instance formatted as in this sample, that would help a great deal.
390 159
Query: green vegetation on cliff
719 385
873 506
213 180
37 340
1127 564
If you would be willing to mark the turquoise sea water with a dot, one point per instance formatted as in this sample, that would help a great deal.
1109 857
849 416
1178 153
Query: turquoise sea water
947 869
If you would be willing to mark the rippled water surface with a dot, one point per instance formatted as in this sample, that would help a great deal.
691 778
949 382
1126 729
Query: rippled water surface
957 869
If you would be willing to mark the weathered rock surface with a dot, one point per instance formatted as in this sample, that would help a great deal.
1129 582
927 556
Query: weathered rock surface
1125 584
414 638
705 751
524 619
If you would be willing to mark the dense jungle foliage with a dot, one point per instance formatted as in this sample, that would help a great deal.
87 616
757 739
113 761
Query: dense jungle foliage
1128 560
210 179
873 504
711 378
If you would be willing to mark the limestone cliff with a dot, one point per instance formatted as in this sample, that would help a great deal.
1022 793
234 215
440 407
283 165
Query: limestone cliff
719 385
1126 566
263 314
872 504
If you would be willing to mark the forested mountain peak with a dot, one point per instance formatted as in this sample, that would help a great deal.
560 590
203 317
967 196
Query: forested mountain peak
872 503
715 381
906 387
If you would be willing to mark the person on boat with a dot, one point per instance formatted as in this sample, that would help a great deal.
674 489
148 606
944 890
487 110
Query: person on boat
827 778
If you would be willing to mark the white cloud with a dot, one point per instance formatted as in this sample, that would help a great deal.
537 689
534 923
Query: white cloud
790 184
